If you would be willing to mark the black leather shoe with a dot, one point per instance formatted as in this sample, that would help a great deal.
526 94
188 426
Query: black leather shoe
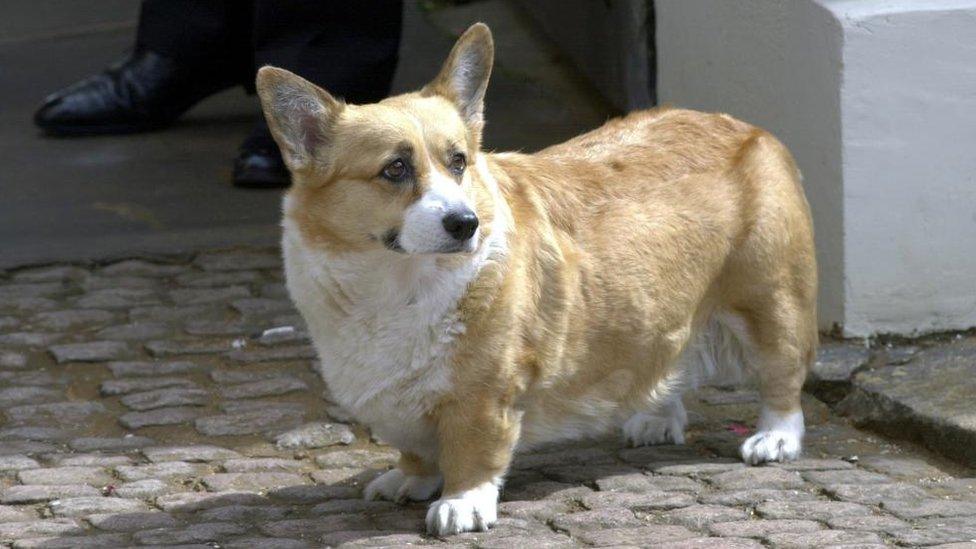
144 92
258 164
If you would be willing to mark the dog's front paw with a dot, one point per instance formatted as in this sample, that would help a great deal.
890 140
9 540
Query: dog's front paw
469 511
395 486
779 439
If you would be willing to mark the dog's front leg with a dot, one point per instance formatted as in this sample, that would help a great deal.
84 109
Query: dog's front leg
476 439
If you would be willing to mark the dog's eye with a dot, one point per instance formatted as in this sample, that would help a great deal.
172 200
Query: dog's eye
458 163
396 170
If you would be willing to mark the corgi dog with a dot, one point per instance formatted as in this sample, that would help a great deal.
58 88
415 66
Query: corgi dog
466 305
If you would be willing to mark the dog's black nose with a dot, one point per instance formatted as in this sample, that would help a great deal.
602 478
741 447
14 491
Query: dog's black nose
461 224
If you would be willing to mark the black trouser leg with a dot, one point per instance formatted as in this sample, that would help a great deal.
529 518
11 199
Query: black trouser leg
211 34
350 48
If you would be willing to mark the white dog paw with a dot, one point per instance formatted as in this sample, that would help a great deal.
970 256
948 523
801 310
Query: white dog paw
664 427
395 486
469 511
779 439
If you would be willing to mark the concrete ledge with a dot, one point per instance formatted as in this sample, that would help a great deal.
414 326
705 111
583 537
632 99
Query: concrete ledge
875 99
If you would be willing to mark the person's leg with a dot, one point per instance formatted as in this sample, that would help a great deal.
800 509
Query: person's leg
348 48
185 51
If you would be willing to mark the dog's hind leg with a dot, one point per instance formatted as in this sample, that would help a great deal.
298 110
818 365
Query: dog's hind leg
412 480
666 425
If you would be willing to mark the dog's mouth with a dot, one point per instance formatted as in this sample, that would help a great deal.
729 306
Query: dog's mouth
391 241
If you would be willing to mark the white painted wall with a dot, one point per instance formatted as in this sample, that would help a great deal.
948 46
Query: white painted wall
877 100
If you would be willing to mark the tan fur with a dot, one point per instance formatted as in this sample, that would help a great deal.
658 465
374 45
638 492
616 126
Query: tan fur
622 244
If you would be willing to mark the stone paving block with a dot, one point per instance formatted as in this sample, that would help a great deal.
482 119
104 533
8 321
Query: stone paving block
217 280
640 536
134 331
40 289
628 482
29 339
709 543
347 475
237 261
162 470
38 528
897 400
851 476
12 360
246 423
317 493
88 460
261 306
163 348
94 351
7 322
755 497
699 516
27 493
582 473
80 507
55 413
265 387
252 465
114 387
255 405
303 528
762 528
97 282
538 510
143 369
668 483
195 533
600 519
139 267
94 476
644 502
257 482
34 433
904 468
110 444
54 273
316 435
206 296
72 318
161 398
821 538
143 489
938 530
838 362
551 490
219 328
74 542
189 502
699 470
23 395
536 541
869 523
11 513
813 464
132 522
117 298
160 416
25 447
925 508
812 510
757 477
166 313
378 457
195 453
16 463
873 494
273 354
248 514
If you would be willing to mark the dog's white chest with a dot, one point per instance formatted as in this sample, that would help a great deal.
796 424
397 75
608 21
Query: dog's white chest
384 333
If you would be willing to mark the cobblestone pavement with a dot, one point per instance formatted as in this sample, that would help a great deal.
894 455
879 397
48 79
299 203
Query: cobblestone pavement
143 402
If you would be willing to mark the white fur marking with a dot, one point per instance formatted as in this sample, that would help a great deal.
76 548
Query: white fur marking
423 228
469 511
395 486
666 426
778 438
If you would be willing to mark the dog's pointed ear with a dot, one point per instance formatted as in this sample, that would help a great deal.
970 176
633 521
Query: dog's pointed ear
300 115
464 77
